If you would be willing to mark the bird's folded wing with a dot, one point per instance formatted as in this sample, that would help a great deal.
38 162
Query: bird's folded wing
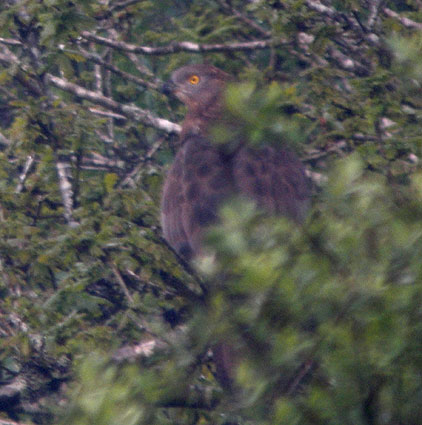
274 178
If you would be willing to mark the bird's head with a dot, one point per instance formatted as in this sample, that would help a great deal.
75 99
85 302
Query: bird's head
197 86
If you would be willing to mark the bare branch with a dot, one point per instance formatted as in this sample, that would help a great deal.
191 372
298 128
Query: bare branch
97 76
108 91
10 41
121 282
128 180
374 7
99 61
147 283
242 17
106 114
301 374
142 69
321 8
8 58
8 422
4 140
104 137
347 63
335 15
133 352
95 161
123 4
183 46
12 390
66 191
116 7
129 111
344 18
408 23
317 178
107 77
22 178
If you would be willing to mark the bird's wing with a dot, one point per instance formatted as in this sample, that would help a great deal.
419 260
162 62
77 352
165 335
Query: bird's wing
197 183
274 178
172 205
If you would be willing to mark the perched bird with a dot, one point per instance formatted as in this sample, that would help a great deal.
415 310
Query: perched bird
204 173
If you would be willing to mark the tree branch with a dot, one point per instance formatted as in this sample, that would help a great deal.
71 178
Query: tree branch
95 161
346 63
121 282
99 61
22 178
242 17
4 140
66 190
182 46
106 114
129 111
115 8
142 69
128 180
142 349
374 7
408 23
10 41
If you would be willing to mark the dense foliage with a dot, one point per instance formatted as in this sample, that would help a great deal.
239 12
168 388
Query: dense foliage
101 323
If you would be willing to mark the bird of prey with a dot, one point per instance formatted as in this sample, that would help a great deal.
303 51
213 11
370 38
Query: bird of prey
204 174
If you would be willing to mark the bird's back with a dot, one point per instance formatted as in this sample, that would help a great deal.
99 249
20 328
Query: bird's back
274 179
202 178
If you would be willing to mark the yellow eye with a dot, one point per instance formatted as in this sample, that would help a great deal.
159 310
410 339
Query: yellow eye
194 79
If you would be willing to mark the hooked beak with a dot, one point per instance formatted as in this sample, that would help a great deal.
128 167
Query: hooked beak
168 88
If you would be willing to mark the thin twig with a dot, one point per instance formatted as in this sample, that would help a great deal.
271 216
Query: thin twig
148 284
318 178
95 58
22 178
104 137
121 282
66 191
107 114
8 422
115 8
122 5
10 41
95 161
4 140
302 373
156 145
142 69
98 79
133 352
242 17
